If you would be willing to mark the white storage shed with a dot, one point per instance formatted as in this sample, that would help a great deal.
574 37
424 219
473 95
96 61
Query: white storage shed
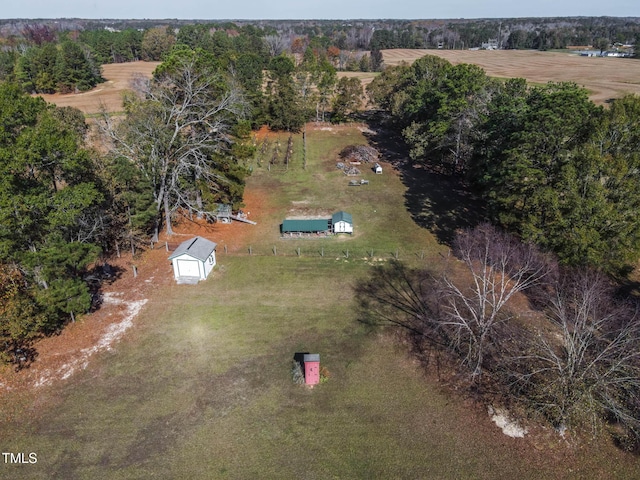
193 260
342 222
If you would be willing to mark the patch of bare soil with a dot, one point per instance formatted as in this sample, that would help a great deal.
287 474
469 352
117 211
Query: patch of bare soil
60 356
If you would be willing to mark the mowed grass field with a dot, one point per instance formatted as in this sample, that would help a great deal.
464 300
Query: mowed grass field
200 387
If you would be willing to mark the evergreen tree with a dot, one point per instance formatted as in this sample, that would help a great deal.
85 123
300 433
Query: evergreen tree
51 207
348 99
75 69
285 110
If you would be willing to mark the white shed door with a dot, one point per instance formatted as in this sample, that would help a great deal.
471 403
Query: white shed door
188 268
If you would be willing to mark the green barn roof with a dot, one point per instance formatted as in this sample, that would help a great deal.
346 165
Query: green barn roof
342 217
305 226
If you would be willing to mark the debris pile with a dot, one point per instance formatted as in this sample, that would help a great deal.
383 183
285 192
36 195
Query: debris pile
359 154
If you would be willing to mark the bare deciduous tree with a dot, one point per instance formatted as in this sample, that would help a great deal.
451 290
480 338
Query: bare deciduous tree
578 364
500 266
277 44
175 132
588 369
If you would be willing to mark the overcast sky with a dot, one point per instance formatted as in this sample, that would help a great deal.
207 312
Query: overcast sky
310 9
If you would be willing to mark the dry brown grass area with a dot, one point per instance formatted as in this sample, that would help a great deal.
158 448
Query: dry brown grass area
605 78
107 94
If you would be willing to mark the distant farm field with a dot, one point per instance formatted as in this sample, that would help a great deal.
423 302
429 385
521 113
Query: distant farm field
107 94
605 78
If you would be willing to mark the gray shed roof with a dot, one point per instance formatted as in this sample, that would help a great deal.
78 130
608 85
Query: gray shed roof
196 247
342 217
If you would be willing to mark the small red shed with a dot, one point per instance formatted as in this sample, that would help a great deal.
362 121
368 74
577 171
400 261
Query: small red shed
311 368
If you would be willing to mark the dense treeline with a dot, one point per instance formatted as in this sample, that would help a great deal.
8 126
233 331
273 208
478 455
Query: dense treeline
114 47
43 60
562 176
65 67
361 35
552 167
520 33
52 221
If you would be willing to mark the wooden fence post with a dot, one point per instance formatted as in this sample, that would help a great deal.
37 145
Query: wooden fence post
304 147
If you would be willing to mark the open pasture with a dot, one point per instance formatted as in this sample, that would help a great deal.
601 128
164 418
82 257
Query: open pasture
200 386
605 78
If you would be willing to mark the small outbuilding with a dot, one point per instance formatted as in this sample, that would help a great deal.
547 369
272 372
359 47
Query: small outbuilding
342 222
312 368
377 168
193 260
291 226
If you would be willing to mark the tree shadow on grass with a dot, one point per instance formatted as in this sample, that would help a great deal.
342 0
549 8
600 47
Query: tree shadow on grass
437 201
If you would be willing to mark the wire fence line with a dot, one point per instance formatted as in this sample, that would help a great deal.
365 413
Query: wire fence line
288 251
328 253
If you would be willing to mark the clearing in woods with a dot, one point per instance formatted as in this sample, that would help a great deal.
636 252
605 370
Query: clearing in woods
199 386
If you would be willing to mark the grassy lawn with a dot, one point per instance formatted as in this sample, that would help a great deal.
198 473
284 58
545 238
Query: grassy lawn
203 390
201 386
381 222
